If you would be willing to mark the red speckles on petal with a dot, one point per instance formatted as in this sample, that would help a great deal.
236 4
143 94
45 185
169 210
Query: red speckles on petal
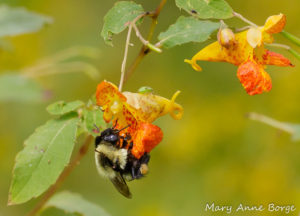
147 136
272 58
106 91
132 113
254 78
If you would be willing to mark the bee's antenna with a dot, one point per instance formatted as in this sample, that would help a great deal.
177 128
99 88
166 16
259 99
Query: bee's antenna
123 128
98 129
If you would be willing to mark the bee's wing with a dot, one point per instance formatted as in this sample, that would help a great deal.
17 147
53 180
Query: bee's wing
120 184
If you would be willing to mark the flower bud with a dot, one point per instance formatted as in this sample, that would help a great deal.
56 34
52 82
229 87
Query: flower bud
226 37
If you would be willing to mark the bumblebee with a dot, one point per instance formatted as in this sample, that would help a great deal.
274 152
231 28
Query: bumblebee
115 161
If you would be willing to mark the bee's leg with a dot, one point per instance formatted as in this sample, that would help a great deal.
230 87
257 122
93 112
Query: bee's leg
130 146
145 158
133 173
135 169
142 167
96 128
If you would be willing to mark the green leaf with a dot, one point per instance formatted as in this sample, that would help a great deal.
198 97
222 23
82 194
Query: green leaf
64 62
187 29
206 9
61 107
93 118
15 21
117 17
19 88
74 203
47 151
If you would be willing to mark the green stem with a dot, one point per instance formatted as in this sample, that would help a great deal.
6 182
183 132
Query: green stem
291 37
295 53
277 45
272 122
145 42
286 47
244 19
144 49
154 48
125 58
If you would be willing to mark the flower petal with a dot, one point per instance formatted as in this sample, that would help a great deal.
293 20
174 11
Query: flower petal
254 37
275 24
254 78
147 136
267 38
272 58
193 63
149 107
115 107
236 53
108 92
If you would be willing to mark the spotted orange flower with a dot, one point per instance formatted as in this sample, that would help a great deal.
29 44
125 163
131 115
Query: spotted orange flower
247 51
136 111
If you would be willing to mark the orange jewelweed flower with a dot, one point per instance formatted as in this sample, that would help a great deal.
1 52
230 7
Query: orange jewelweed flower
249 54
137 111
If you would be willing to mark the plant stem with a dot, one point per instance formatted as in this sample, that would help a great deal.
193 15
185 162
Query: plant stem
145 42
144 49
242 29
295 53
291 37
286 47
82 151
123 67
244 19
282 46
159 8
271 122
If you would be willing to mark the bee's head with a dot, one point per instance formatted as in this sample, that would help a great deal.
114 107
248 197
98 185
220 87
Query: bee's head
109 135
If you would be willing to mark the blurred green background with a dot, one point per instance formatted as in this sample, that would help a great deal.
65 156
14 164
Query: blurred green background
214 154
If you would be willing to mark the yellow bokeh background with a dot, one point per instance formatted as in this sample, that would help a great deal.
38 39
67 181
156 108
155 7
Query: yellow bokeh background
214 154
